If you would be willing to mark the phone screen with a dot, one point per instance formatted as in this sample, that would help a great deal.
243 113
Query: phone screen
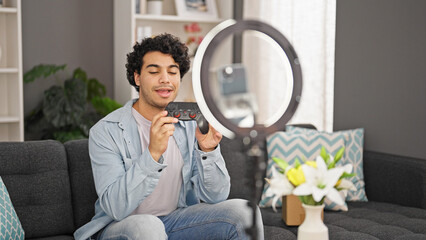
232 79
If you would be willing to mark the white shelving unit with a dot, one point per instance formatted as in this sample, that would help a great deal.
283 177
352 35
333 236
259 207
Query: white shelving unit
126 21
11 83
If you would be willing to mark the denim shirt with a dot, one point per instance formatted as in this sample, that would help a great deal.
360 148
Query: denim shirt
124 174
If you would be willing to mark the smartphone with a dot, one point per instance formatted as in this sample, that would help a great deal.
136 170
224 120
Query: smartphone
232 79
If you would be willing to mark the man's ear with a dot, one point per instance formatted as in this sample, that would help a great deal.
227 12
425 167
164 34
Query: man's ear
137 76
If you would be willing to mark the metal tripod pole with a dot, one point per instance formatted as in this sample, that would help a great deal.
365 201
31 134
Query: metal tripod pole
254 181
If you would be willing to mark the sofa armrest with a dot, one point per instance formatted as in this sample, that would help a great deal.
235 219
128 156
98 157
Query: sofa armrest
395 179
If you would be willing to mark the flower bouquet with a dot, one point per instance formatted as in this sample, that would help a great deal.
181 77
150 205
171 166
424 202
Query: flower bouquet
311 181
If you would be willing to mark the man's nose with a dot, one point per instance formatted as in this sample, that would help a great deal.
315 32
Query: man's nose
164 77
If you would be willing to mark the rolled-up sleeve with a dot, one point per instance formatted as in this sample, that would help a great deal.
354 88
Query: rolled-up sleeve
210 177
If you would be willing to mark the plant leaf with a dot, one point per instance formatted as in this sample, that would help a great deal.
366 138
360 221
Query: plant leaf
34 117
76 92
105 105
347 175
36 124
95 89
65 106
338 156
80 74
87 121
42 70
324 154
281 163
53 103
64 112
309 200
297 163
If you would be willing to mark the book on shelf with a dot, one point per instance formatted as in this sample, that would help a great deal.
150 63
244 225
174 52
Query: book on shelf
143 32
140 6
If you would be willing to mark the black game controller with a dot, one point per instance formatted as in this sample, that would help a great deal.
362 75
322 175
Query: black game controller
188 111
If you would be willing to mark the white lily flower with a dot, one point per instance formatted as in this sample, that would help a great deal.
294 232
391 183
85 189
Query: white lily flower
278 186
346 185
320 182
348 168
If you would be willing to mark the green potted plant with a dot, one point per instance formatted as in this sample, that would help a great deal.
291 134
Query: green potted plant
68 109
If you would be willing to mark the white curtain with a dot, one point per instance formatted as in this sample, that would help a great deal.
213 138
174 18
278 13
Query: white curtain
310 26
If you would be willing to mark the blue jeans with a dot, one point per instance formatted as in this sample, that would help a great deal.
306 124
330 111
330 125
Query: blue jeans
225 220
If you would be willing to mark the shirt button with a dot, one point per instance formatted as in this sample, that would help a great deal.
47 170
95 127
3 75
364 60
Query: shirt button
204 158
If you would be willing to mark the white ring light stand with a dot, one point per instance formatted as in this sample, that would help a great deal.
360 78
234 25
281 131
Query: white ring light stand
253 136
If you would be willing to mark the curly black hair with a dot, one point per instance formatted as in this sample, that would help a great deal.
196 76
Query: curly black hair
165 43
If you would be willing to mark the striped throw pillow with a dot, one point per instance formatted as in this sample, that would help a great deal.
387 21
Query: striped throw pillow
10 226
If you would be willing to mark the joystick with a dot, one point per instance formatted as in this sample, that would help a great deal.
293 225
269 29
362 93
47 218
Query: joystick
188 111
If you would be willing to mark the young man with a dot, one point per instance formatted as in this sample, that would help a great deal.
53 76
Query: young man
151 171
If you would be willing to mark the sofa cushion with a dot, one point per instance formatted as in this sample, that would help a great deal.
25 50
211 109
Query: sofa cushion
10 225
380 220
277 233
365 221
36 175
395 179
82 185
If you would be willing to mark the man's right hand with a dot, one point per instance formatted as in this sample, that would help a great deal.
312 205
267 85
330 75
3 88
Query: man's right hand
161 129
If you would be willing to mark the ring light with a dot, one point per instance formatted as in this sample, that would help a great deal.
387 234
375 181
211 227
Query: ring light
202 84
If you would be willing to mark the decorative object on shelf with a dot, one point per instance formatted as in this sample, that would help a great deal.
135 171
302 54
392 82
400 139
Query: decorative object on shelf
143 32
311 181
2 3
154 7
68 110
140 6
194 37
196 8
313 226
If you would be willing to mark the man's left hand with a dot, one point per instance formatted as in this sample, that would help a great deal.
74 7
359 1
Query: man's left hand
209 141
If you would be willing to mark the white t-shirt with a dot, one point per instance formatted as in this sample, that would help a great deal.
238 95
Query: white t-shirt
164 199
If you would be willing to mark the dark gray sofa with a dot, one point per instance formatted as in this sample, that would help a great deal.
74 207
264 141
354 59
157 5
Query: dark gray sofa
52 190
